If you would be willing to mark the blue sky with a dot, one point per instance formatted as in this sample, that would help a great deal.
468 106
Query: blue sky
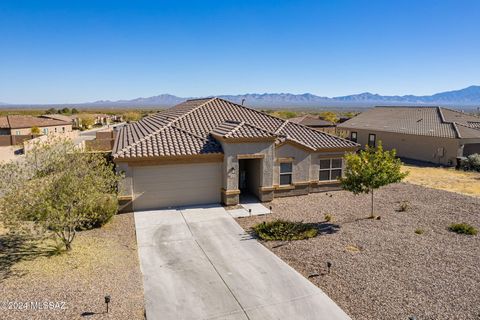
76 51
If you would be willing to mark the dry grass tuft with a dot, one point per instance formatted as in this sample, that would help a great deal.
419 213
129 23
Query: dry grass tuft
353 248
447 179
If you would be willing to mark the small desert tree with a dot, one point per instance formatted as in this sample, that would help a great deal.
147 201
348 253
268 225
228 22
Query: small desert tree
371 169
57 189
132 116
87 120
35 130
329 116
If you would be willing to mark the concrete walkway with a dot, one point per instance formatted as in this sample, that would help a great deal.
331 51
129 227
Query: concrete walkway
198 263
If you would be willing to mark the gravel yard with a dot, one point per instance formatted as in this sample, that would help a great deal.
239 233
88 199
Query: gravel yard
382 269
103 261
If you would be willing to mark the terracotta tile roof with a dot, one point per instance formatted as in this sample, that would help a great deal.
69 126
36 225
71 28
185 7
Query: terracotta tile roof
235 129
312 138
19 121
474 124
311 121
423 121
4 123
198 119
60 117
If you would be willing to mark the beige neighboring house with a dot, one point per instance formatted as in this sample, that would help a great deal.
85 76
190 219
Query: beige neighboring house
212 150
17 128
431 134
316 123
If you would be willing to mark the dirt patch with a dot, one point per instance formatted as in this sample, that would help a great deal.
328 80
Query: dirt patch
103 261
382 269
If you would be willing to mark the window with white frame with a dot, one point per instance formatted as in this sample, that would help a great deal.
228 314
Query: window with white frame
330 169
372 140
353 136
286 169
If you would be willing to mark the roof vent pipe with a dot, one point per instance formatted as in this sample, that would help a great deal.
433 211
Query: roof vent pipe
243 100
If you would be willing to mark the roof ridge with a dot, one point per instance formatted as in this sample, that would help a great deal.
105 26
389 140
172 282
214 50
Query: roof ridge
236 128
257 127
454 124
252 109
190 133
169 124
282 126
442 117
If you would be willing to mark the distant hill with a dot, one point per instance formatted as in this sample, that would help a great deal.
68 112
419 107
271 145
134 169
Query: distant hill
470 95
467 97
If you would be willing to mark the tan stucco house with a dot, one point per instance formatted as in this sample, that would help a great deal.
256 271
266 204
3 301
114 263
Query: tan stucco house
212 150
22 125
431 134
16 129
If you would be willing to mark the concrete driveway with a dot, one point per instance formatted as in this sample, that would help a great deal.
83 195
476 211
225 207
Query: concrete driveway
198 263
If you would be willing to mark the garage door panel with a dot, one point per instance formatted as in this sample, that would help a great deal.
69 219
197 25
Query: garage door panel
176 185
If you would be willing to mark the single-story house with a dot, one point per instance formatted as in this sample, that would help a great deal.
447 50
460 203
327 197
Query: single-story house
212 150
22 125
431 134
17 128
315 122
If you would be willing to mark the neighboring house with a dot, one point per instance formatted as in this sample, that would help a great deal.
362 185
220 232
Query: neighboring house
212 150
17 128
316 123
432 134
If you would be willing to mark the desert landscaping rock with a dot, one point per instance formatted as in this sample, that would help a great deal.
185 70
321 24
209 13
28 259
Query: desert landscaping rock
103 261
382 269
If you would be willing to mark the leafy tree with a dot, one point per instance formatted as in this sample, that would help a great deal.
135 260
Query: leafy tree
57 190
349 114
329 116
87 120
35 130
65 111
51 111
132 116
371 169
74 111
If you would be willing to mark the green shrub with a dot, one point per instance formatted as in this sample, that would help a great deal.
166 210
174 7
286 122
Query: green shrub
284 230
463 228
101 213
472 162
328 217
419 231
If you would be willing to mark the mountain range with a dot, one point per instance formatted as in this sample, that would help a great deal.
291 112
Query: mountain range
467 97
